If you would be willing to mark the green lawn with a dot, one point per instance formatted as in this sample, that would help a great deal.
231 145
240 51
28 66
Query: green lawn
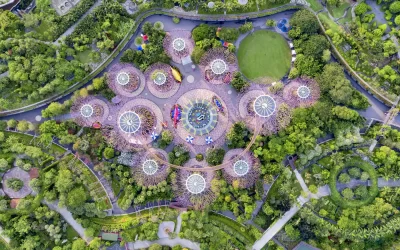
315 5
338 11
264 56
71 233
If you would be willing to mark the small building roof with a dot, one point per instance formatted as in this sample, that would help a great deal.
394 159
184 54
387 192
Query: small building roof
109 236
14 203
304 246
34 173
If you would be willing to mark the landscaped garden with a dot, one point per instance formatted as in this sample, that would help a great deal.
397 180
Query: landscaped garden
264 56
216 134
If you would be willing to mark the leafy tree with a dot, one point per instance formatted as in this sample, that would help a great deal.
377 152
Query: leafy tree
155 247
76 197
355 172
347 193
108 153
395 7
215 156
270 22
345 113
238 135
305 21
11 124
203 31
4 165
314 46
229 34
166 138
79 244
239 83
362 8
15 184
344 178
248 26
293 233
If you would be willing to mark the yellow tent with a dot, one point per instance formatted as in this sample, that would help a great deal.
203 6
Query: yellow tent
176 75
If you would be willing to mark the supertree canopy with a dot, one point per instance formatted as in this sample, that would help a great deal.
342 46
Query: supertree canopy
301 92
193 188
242 169
178 44
160 80
218 65
152 168
134 125
89 111
264 111
125 80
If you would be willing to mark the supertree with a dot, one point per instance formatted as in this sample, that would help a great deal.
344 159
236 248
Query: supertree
125 80
193 188
264 111
89 111
301 92
134 125
152 169
160 80
178 44
242 169
218 65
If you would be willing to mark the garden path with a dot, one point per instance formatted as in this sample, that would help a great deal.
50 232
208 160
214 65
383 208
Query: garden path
69 218
179 223
72 28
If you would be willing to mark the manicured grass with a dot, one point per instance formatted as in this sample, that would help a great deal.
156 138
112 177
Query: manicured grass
373 191
71 233
328 23
315 5
338 11
264 56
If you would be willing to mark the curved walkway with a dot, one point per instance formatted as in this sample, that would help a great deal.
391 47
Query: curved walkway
142 244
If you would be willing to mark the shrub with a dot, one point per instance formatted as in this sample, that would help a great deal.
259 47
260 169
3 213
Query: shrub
197 54
364 176
108 153
166 139
138 40
344 178
203 31
238 135
395 7
199 157
159 25
246 27
355 172
229 34
176 20
270 22
215 156
15 184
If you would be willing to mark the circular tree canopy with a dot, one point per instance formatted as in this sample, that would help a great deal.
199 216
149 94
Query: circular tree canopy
218 66
129 122
123 78
178 44
195 184
87 110
303 92
150 167
264 106
241 167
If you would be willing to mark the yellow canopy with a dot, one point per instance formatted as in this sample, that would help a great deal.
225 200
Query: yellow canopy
176 75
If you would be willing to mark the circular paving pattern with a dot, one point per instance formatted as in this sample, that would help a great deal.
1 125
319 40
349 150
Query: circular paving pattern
159 78
264 106
303 92
195 184
241 167
150 167
87 110
199 117
123 78
178 44
190 79
218 66
129 122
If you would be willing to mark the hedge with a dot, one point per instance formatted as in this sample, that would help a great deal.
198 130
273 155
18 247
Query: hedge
337 198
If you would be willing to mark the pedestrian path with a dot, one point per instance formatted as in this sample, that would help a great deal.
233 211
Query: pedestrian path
5 238
68 218
144 244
